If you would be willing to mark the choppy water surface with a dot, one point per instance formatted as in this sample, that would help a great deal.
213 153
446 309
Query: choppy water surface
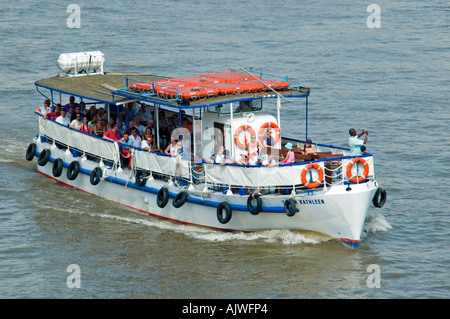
392 81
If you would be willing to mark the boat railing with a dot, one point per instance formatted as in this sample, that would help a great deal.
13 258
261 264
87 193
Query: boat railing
197 171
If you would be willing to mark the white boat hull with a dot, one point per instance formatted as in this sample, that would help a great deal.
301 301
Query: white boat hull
337 212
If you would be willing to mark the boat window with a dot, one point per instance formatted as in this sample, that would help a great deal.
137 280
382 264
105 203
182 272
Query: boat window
239 107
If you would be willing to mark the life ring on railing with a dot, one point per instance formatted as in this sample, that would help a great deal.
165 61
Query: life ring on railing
224 219
57 167
272 125
238 131
31 151
96 176
162 197
380 198
73 170
289 207
141 178
357 179
257 209
44 157
306 170
180 199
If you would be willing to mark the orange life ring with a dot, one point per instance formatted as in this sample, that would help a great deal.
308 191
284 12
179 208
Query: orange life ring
241 128
357 179
271 125
305 171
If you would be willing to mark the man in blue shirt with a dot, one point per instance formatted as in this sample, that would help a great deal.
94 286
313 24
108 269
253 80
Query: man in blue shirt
355 143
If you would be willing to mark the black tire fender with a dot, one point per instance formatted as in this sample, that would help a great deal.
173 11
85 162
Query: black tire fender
180 199
44 157
57 167
257 209
220 217
31 151
162 197
290 207
141 178
96 176
73 170
380 197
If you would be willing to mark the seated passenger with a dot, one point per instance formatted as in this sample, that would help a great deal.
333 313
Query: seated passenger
144 114
71 104
173 148
138 125
44 109
268 160
125 149
244 158
113 134
225 159
101 127
135 137
147 144
76 123
290 156
63 118
308 149
85 126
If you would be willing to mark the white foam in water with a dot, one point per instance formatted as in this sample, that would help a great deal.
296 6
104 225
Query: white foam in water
375 224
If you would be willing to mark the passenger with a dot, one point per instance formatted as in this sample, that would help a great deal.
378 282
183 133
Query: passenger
147 144
226 159
130 113
101 127
125 149
173 148
93 125
63 118
268 160
244 158
355 143
137 140
308 149
144 114
253 148
290 156
55 113
112 134
85 127
150 129
92 112
101 114
164 130
71 104
76 123
44 109
74 114
174 123
268 139
69 113
138 125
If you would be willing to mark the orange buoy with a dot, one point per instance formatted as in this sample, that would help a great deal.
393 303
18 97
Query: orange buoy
238 131
357 178
306 170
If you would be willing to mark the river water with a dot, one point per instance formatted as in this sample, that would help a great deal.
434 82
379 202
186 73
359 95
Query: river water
392 81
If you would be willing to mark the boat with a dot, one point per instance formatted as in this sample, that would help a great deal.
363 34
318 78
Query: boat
328 192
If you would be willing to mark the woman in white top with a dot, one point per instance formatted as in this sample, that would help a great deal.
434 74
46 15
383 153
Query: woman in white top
253 148
172 148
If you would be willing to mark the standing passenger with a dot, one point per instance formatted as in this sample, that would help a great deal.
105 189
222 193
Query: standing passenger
355 143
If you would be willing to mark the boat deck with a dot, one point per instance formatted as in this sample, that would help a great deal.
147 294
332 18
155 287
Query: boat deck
111 88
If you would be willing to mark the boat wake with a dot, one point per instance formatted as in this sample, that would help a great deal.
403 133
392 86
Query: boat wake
374 224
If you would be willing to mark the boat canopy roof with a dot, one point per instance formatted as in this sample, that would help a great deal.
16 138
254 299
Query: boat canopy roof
113 88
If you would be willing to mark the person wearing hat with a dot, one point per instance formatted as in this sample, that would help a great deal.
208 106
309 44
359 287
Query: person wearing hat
244 158
290 156
308 149
355 143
